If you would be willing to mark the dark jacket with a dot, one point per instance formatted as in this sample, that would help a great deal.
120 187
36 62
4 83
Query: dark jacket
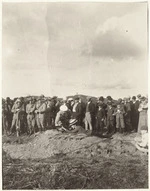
91 108
110 112
100 114
135 106
78 111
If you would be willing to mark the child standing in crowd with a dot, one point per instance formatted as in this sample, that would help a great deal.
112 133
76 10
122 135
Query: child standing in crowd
100 119
119 113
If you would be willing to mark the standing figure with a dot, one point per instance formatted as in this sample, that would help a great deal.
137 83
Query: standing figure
100 116
77 111
55 105
134 113
119 113
110 118
89 115
143 116
17 111
6 115
30 108
40 109
127 116
49 114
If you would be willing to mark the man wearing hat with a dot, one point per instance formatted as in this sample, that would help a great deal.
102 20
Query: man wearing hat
30 108
17 109
40 109
89 115
69 103
77 110
127 116
55 104
6 115
100 116
110 118
83 108
134 113
49 113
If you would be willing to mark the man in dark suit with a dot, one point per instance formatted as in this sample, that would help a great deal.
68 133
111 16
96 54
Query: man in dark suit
89 114
83 108
134 113
77 111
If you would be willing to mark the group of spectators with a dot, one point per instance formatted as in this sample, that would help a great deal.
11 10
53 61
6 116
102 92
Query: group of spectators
95 116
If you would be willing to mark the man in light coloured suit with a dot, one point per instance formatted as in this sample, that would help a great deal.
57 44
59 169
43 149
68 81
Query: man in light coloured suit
30 108
40 110
17 111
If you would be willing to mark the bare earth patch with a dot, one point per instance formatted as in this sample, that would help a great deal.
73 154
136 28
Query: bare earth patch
53 160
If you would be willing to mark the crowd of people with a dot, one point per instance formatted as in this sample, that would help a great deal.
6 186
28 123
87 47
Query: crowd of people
105 115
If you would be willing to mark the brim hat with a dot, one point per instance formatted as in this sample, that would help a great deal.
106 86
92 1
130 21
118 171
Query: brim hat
7 98
134 97
139 96
101 98
18 100
76 98
143 98
70 99
109 98
72 122
54 97
63 108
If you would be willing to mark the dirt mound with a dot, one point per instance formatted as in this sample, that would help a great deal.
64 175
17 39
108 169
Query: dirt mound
51 143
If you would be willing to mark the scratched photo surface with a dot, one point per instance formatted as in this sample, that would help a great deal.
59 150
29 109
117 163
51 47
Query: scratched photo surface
74 95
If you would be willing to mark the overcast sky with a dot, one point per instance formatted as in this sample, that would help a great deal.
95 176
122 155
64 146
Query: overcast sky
68 48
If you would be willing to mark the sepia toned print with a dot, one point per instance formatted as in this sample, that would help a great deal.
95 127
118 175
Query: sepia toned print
74 95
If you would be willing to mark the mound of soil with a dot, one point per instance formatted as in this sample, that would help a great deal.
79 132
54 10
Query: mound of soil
52 142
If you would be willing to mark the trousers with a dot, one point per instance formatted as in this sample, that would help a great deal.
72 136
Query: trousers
88 121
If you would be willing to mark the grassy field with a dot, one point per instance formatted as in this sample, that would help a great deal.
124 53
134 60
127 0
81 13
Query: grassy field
61 172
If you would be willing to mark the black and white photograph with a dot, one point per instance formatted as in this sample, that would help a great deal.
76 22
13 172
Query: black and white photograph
74 95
